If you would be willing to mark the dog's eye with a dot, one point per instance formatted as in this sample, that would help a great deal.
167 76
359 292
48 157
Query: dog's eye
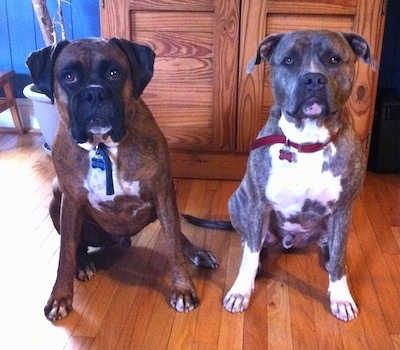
70 77
335 60
288 61
114 74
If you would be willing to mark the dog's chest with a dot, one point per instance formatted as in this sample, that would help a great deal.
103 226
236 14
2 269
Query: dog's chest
96 182
293 184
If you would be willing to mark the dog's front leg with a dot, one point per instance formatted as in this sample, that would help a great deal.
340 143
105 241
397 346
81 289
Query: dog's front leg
238 297
342 303
59 304
183 295
252 225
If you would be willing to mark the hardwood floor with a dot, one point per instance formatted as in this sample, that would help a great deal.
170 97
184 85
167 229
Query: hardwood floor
125 305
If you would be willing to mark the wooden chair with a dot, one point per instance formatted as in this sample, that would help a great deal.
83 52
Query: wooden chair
9 101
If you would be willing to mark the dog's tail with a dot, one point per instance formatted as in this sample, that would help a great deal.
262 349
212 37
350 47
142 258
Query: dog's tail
212 224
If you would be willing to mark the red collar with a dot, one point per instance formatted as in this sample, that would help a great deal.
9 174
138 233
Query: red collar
285 153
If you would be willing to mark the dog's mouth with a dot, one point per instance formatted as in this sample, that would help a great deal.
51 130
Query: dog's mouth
105 120
98 126
312 107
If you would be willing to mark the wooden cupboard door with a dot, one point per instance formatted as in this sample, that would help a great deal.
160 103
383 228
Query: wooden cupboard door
194 89
261 18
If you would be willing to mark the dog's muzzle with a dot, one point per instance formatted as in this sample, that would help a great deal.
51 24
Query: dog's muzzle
311 97
96 110
313 83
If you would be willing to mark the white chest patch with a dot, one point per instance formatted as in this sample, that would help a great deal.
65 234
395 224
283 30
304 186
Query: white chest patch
290 184
95 182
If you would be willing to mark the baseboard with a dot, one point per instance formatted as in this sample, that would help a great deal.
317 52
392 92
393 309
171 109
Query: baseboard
203 165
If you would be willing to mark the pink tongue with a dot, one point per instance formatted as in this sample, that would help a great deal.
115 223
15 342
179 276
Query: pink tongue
314 109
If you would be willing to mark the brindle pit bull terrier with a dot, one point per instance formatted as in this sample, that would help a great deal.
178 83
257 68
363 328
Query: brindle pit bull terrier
111 160
307 165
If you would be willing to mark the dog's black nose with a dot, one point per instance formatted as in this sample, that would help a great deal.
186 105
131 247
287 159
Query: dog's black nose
95 95
313 81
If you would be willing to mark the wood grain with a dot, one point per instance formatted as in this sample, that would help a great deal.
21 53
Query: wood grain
175 5
369 22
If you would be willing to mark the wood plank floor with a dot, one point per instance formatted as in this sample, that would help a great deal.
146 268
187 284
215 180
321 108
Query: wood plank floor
125 305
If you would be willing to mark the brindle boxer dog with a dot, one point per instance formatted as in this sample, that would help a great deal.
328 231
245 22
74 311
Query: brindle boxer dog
111 161
307 164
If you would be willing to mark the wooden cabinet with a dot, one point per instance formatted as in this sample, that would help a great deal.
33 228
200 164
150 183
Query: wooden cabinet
204 101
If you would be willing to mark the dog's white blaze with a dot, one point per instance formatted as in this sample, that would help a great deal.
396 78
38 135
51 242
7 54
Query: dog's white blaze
95 182
238 297
313 68
343 305
290 184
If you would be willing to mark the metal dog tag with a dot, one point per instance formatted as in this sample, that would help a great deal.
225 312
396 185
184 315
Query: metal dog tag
285 154
98 163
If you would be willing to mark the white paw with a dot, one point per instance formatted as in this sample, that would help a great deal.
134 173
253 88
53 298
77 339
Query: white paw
238 297
343 305
344 310
236 302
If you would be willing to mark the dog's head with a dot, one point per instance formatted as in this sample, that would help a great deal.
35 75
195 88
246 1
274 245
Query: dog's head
91 80
312 72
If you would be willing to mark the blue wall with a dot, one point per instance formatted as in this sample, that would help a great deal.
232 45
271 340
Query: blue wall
20 33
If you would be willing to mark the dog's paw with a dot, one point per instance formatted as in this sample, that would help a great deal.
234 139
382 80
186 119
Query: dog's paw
204 258
344 310
85 271
343 305
184 301
236 302
197 255
57 309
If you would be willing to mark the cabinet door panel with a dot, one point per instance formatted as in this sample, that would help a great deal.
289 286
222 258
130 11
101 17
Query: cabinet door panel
193 91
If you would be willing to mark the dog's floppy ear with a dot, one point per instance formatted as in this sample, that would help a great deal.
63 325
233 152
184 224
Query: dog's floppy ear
360 47
41 63
141 60
264 50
